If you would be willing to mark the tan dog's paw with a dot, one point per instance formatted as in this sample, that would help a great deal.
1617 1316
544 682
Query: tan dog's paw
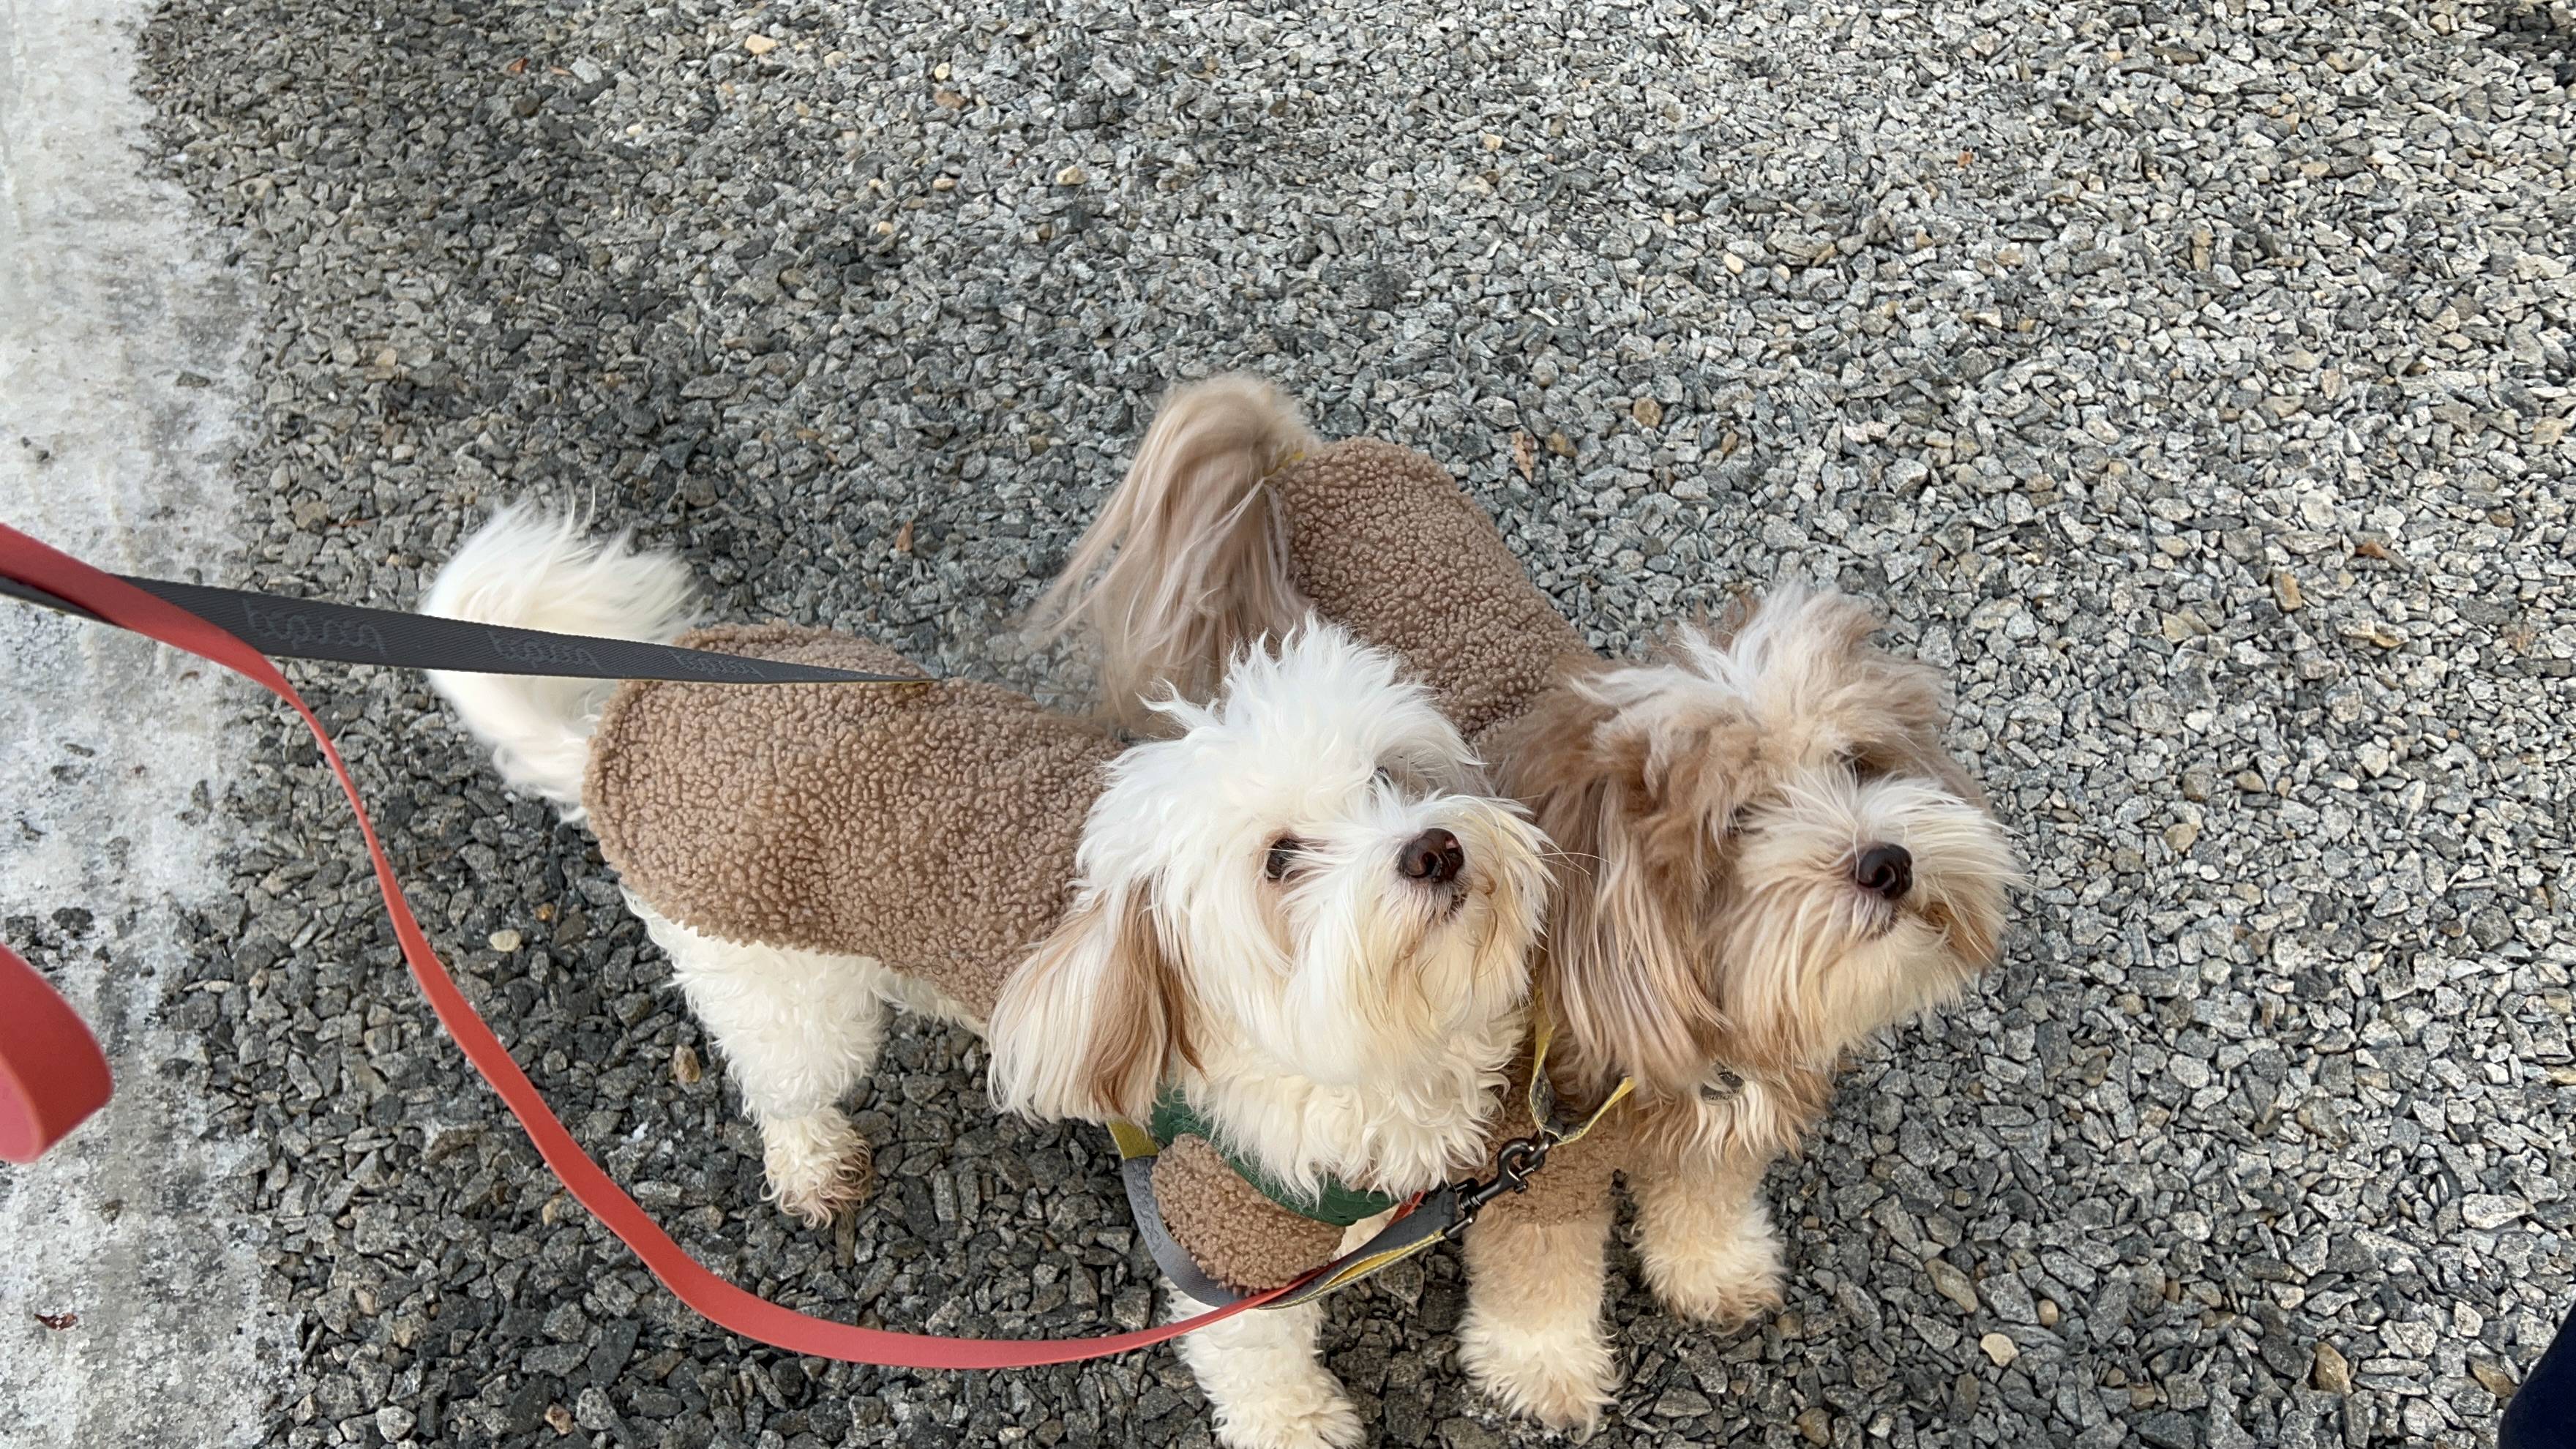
1724 1281
1563 1381
1300 1411
817 1166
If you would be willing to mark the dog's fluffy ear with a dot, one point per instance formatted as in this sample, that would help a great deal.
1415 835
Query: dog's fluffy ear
1623 966
1088 1024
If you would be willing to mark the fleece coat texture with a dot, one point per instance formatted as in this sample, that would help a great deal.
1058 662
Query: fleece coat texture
1386 546
1385 543
1193 1183
930 826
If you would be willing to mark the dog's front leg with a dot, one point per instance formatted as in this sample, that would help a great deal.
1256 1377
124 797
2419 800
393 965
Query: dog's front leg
1263 1379
1706 1239
1532 1334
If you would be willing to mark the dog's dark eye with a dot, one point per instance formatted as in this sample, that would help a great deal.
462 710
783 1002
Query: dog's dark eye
1864 766
1384 776
1283 854
1735 821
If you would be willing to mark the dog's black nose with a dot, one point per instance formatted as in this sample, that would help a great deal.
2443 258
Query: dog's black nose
1432 856
1886 870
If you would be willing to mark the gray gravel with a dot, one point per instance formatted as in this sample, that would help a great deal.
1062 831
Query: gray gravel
2196 386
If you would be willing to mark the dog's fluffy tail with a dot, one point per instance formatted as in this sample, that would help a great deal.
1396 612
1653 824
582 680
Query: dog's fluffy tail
534 570
1188 563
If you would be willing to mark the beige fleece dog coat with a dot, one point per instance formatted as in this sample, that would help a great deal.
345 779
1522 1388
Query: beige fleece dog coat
931 826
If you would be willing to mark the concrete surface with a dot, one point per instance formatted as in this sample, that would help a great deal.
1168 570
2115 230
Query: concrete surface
121 339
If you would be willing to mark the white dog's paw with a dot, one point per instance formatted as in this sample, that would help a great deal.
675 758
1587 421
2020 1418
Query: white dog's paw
1723 1280
1306 1410
1563 1380
817 1165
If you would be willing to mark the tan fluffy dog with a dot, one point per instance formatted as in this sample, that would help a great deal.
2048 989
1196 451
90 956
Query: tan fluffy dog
1768 853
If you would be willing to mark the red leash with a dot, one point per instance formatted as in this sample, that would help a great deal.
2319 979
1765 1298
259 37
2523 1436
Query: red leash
52 1075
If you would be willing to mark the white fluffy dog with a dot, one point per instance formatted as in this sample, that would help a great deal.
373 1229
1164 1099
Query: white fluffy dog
1301 910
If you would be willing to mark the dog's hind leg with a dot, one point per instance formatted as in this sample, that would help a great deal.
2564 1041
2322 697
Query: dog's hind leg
798 1029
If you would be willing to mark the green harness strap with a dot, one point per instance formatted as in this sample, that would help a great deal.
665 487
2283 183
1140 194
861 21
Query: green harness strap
1335 1203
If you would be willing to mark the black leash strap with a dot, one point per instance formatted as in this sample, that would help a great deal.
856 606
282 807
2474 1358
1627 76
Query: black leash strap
345 633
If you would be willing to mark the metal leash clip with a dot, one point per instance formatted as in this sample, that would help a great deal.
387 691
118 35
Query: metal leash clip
1520 1159
1513 1165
